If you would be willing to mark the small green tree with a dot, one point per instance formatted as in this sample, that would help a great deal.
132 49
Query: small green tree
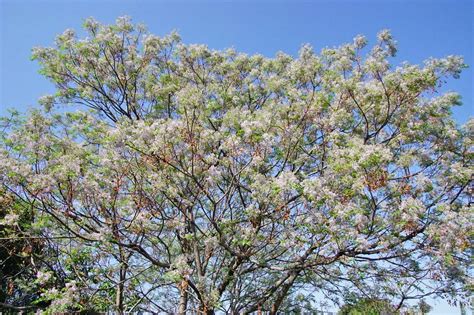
368 306
20 254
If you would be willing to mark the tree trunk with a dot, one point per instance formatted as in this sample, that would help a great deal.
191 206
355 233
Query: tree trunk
119 295
119 298
183 298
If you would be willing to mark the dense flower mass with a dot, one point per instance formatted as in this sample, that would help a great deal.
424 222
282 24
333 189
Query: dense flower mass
189 179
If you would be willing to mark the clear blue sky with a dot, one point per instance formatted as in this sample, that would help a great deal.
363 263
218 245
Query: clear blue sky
423 28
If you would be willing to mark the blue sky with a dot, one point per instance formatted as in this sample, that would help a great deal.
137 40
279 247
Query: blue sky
423 28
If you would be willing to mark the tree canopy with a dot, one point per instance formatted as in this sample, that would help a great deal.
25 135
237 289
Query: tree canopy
169 177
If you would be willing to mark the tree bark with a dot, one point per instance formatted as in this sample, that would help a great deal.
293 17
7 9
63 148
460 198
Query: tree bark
120 290
183 298
119 298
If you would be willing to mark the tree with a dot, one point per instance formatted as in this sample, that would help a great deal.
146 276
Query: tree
368 306
17 253
192 179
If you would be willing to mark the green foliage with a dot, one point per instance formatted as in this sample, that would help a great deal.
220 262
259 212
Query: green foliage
368 307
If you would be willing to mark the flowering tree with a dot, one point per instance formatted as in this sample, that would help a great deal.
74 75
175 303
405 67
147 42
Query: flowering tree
204 181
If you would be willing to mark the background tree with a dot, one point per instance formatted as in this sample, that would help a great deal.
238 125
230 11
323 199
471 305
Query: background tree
204 180
368 306
18 254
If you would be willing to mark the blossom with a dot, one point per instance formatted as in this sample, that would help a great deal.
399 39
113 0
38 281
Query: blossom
360 41
10 219
43 277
